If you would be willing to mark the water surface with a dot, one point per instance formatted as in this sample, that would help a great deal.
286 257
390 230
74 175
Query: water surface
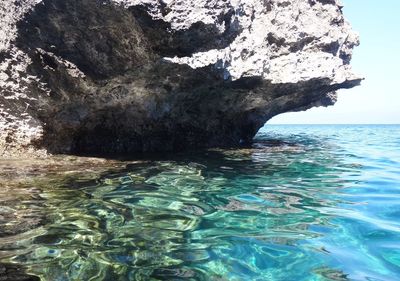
304 203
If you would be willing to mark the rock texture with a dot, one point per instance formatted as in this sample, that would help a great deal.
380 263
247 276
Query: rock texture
122 76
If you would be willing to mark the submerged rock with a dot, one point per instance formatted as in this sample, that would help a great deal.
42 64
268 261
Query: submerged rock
10 272
89 76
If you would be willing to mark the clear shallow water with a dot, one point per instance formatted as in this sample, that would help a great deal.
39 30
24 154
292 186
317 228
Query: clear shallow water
305 203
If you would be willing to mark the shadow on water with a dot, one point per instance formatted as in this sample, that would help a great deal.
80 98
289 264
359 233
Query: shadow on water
243 214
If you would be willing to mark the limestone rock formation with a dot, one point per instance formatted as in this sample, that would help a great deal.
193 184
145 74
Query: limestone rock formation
125 76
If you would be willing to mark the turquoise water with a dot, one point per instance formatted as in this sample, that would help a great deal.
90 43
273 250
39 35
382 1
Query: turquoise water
304 203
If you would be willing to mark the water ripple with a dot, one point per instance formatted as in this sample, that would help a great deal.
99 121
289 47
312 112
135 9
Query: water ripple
307 205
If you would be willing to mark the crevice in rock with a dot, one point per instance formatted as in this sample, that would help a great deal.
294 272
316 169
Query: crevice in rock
199 37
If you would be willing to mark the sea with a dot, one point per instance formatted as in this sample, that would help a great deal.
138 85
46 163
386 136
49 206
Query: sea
304 202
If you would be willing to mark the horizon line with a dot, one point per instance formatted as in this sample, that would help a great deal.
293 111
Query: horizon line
331 124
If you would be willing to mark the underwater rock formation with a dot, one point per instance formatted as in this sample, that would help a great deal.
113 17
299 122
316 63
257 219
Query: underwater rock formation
125 76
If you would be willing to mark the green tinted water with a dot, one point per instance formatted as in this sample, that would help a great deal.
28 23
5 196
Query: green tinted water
305 203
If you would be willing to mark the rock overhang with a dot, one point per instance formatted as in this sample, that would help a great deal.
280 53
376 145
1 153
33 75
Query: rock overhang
142 75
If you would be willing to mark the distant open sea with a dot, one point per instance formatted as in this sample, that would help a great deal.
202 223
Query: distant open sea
306 202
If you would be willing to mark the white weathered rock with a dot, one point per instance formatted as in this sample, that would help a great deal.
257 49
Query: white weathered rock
287 23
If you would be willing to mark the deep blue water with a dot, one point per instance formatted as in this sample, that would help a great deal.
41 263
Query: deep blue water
318 202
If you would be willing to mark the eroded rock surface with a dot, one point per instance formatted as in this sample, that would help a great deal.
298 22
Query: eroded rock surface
122 76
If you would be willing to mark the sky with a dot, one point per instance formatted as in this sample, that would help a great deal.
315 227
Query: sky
377 100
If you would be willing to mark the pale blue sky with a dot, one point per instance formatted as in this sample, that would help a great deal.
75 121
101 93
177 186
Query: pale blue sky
377 59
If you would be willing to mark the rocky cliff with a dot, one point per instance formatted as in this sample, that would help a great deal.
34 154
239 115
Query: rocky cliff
122 76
